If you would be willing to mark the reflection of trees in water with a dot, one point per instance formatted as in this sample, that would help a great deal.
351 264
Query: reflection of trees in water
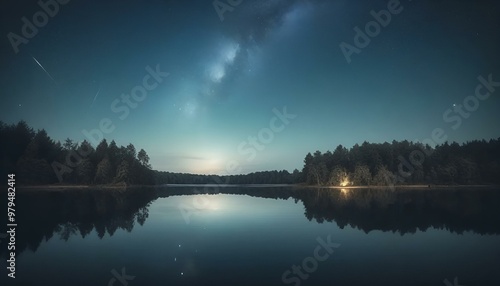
406 211
41 214
401 210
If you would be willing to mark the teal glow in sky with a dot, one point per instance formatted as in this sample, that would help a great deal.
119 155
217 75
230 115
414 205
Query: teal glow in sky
90 60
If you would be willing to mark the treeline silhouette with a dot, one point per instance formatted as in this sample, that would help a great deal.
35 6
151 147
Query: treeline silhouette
263 177
400 163
37 159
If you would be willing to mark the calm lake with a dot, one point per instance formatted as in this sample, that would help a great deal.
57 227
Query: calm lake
256 236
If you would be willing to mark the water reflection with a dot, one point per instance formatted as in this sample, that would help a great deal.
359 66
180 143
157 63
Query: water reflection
402 210
42 215
345 192
406 211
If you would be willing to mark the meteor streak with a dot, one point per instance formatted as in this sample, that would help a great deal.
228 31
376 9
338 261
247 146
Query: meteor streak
95 97
44 69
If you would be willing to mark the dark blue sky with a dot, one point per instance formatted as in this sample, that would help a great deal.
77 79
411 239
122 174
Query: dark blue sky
226 77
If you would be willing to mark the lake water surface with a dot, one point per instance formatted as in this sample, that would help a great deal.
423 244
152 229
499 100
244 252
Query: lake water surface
256 236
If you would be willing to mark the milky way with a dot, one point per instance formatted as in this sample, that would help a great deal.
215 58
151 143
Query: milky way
226 77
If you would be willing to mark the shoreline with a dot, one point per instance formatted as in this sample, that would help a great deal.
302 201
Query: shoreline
295 186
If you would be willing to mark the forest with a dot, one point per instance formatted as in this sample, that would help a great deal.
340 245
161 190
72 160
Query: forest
36 159
405 163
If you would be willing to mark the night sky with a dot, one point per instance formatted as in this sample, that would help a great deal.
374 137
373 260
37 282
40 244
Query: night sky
223 73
